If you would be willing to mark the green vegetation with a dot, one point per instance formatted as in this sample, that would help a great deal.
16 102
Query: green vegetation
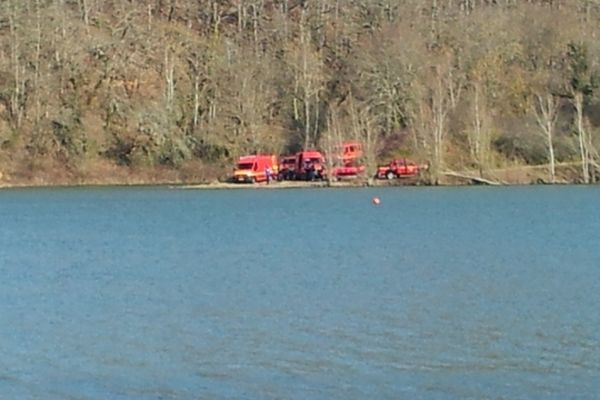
146 90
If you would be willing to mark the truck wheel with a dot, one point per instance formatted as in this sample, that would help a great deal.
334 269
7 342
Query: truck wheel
390 175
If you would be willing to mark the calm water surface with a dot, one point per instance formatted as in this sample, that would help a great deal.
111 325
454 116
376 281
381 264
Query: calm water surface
155 293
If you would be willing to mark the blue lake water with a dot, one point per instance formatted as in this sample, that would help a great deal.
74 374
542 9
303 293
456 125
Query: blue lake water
437 293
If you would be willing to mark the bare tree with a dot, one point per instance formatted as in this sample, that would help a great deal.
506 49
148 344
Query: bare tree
546 114
479 136
366 125
583 140
17 102
443 93
307 67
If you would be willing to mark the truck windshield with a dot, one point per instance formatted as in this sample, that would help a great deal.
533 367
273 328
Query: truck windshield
244 166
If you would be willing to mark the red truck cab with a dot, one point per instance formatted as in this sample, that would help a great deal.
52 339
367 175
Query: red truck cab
287 168
351 151
310 165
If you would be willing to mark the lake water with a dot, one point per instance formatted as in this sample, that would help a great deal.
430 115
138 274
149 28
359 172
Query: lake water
437 293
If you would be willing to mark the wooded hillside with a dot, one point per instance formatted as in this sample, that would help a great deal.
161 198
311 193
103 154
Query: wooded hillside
89 88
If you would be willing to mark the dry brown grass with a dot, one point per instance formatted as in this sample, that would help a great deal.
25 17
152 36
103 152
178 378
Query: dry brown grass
99 171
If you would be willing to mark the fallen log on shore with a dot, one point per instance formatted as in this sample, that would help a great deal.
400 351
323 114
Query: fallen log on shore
475 179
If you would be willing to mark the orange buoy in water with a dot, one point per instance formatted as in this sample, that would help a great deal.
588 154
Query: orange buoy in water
376 201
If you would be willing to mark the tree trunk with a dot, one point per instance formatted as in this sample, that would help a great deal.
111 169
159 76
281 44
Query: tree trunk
85 12
581 134
38 49
169 80
306 79
17 92
546 114
439 120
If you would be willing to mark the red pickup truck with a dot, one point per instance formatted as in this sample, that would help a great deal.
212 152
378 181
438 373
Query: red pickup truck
398 169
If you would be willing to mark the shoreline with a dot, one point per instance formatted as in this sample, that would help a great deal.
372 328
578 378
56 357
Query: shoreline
216 185
508 176
284 185
107 175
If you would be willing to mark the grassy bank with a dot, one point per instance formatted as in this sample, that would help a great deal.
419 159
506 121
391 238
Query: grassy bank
197 177
528 175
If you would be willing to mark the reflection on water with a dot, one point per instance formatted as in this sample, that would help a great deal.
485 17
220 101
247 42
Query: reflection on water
157 293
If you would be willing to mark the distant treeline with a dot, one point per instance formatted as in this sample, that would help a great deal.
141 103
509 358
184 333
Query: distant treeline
460 84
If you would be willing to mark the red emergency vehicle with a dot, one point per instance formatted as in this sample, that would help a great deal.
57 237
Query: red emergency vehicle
256 168
349 157
310 165
287 168
400 168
